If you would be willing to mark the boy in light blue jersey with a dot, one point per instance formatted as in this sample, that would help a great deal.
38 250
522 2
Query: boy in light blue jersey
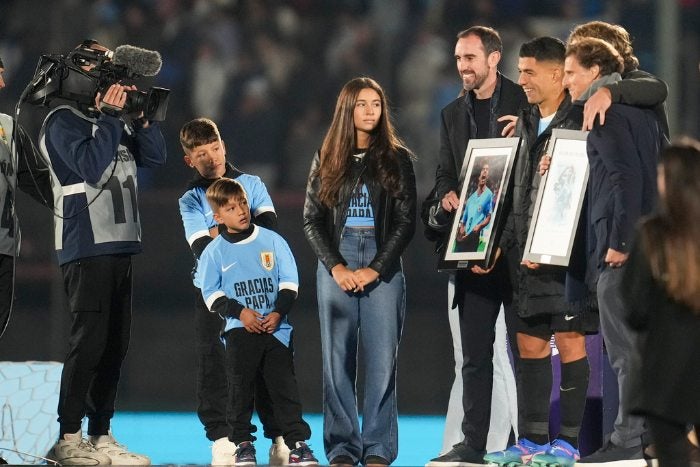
205 152
249 277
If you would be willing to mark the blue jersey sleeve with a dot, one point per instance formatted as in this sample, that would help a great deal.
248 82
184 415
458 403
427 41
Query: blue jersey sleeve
209 270
258 198
195 220
287 266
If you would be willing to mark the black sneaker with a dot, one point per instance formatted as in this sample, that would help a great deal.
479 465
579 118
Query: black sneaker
461 455
611 452
302 455
245 454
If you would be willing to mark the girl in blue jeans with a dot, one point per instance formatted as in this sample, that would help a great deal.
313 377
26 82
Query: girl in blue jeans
359 216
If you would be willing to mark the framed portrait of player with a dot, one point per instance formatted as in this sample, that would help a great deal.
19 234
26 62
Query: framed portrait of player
559 200
484 181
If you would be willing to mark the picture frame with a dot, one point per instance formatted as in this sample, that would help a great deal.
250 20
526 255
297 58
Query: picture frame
478 219
560 197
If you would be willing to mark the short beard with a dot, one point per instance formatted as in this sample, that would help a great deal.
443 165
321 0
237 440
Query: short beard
478 82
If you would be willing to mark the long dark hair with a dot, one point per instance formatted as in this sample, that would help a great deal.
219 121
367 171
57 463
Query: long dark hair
671 239
338 145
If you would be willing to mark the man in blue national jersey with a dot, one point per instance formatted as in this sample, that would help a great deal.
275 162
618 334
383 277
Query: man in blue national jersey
249 277
206 153
93 158
477 214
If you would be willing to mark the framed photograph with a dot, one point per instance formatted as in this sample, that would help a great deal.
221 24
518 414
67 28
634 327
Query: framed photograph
484 181
559 200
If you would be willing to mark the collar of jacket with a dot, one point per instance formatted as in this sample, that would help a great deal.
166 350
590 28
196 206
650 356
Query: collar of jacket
530 119
200 182
470 97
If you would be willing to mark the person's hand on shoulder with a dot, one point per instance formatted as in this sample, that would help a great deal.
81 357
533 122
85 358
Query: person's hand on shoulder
596 106
509 129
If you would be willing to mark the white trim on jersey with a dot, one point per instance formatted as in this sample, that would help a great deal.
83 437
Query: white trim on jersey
264 209
212 298
289 286
197 235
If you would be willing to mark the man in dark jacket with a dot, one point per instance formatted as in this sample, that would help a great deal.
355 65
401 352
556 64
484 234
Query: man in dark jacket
479 112
539 289
623 154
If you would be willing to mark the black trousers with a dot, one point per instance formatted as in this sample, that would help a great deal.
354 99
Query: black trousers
479 300
671 442
6 284
247 356
99 297
212 383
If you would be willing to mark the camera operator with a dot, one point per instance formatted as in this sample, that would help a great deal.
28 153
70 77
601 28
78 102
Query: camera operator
21 166
93 156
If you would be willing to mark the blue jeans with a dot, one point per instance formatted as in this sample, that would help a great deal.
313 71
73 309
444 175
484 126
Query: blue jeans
377 315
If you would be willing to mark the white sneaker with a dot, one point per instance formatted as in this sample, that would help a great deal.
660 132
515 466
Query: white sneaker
106 444
222 452
279 452
73 449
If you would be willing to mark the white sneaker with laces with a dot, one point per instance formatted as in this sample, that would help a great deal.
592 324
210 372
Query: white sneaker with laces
279 452
222 452
106 444
73 449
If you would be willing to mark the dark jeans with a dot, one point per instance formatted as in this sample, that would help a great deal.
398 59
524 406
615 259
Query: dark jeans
622 344
247 356
99 297
479 306
212 384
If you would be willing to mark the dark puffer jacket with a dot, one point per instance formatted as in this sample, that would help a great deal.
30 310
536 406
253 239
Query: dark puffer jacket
539 291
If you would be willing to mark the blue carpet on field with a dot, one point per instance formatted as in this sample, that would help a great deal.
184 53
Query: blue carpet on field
178 438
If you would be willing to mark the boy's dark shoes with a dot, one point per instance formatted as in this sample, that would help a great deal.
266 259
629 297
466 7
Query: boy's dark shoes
245 454
302 455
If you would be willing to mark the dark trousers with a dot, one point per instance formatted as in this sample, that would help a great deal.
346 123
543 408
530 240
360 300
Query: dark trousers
99 297
479 306
6 284
212 383
671 442
247 356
